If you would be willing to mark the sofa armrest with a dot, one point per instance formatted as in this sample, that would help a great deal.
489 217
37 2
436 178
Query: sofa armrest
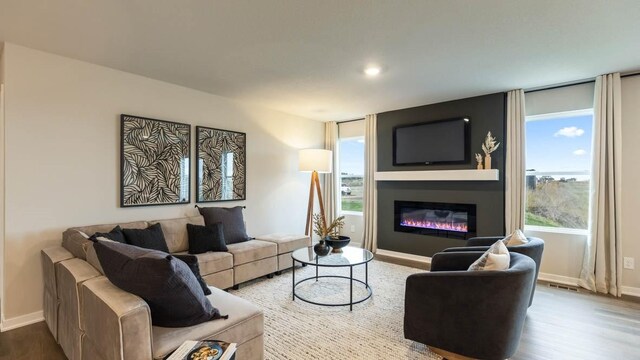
466 249
453 261
483 240
117 323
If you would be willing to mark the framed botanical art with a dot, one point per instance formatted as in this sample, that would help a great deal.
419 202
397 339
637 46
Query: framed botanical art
220 165
155 160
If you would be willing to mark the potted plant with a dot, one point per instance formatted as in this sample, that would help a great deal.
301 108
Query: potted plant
488 147
329 234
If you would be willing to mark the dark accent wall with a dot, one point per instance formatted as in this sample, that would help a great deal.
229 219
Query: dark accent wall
486 113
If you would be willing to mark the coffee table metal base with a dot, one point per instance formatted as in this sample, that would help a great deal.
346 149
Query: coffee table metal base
350 278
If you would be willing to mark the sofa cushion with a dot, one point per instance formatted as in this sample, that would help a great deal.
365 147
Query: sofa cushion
164 282
192 263
206 238
149 238
245 322
213 262
252 250
115 234
286 242
495 258
76 241
175 231
231 219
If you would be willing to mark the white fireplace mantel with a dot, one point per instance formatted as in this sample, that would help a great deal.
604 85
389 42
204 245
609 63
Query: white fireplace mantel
439 175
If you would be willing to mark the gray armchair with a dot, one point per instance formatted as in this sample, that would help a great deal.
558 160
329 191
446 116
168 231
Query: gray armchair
477 314
533 249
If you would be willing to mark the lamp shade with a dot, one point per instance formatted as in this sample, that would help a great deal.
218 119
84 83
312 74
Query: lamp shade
319 160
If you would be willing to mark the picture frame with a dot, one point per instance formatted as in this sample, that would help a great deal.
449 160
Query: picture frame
221 159
155 160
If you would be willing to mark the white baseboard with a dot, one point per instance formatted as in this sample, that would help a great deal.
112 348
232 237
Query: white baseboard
23 320
404 256
631 291
565 280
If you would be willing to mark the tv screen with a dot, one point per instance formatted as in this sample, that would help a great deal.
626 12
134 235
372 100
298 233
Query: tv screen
444 141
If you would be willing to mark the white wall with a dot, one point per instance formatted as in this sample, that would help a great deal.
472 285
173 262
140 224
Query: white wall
62 157
1 178
631 178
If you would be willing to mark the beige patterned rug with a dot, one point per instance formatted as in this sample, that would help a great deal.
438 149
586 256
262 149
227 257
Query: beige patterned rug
373 330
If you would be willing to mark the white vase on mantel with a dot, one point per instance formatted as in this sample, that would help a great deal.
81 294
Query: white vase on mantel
487 162
480 166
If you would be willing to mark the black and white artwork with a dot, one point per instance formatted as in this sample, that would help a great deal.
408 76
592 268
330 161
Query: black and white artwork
155 160
221 165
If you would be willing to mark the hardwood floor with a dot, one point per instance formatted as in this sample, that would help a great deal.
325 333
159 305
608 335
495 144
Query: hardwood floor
561 324
33 342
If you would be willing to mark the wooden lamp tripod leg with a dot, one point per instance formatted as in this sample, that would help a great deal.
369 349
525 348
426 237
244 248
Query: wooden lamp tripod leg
307 229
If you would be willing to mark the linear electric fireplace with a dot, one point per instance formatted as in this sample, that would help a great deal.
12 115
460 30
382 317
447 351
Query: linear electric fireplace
437 219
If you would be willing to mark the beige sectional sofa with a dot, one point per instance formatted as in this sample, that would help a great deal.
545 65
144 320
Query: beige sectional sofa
93 319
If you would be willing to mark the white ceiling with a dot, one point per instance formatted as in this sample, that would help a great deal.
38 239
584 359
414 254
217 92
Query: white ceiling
306 57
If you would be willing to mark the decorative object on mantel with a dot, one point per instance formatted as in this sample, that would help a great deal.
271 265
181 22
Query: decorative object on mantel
330 234
221 159
479 160
154 162
488 147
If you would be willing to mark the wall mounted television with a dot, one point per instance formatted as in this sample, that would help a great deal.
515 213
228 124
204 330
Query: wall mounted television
435 142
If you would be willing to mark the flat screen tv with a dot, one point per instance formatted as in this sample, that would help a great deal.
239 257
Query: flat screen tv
435 142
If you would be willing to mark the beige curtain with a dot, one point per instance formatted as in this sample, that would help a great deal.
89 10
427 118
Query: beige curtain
370 213
515 169
602 264
330 181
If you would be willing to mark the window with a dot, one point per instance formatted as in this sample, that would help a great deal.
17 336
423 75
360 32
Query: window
351 157
558 158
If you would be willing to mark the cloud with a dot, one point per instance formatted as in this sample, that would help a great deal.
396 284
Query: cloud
570 131
580 152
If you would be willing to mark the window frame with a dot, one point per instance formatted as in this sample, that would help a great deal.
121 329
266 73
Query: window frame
550 117
340 177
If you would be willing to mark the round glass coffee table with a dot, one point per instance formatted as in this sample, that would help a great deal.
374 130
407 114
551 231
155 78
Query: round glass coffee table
349 257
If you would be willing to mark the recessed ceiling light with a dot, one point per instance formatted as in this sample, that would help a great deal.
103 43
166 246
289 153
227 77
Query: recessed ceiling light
372 70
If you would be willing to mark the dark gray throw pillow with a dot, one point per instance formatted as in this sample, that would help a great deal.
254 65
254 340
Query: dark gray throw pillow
167 284
206 238
231 219
115 234
149 238
192 263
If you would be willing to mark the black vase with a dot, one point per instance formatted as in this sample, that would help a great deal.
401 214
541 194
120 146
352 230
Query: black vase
321 248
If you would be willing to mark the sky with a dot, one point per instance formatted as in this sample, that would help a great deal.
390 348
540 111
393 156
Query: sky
559 144
352 156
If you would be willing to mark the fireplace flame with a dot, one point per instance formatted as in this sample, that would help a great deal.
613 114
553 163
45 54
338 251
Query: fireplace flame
437 225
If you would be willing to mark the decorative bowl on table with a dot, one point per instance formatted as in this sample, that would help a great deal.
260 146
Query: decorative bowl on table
337 242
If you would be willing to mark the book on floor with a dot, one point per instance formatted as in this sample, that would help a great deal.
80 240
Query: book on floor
204 350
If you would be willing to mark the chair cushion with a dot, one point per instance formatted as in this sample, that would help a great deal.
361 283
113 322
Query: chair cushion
286 242
231 219
175 231
172 292
252 250
213 262
495 258
206 238
515 238
149 238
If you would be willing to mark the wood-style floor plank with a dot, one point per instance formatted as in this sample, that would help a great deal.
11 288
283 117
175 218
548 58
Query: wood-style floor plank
31 342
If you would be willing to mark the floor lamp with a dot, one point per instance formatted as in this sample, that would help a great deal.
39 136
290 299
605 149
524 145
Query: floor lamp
315 161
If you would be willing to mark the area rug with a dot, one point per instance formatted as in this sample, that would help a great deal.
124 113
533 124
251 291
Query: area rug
295 330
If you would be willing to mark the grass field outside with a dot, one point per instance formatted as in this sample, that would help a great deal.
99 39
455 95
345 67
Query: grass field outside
558 203
353 201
